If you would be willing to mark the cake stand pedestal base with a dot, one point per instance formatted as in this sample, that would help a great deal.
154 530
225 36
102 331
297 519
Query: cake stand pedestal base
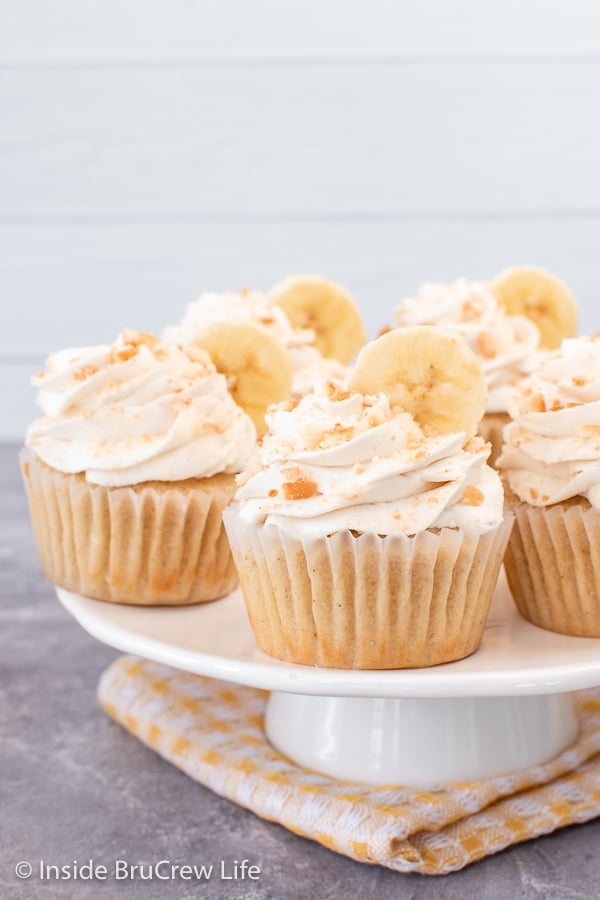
420 742
506 707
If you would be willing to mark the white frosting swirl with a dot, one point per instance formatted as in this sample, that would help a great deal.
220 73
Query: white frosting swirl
309 367
506 345
551 450
253 307
138 411
341 461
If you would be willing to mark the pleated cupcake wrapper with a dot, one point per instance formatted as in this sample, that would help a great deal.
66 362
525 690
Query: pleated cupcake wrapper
366 602
214 732
144 546
491 428
553 567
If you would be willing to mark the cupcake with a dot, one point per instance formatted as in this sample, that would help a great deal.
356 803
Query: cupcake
371 534
248 340
505 323
305 336
328 312
129 469
551 465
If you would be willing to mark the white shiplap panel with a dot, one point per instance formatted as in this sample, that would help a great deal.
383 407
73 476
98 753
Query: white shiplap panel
65 285
341 140
176 29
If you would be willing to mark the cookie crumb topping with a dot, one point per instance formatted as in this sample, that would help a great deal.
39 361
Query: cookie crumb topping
472 496
300 489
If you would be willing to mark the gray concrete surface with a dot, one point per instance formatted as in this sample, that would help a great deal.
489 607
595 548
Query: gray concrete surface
75 786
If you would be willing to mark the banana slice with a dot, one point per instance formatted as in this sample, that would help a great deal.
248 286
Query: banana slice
258 368
542 297
310 301
428 372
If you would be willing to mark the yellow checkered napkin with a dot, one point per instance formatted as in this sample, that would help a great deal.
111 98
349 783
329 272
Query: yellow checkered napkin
213 731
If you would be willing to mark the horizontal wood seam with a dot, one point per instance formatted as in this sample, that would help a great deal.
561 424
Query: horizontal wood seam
292 59
355 217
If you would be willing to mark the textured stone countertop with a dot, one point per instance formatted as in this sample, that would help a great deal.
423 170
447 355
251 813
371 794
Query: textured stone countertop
76 786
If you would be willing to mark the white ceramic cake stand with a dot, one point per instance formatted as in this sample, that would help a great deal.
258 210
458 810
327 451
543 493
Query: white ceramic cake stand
506 707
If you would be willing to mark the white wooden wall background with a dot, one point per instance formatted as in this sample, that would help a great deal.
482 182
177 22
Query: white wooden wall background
150 149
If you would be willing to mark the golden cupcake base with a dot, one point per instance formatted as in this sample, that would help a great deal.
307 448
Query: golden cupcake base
553 566
156 543
365 601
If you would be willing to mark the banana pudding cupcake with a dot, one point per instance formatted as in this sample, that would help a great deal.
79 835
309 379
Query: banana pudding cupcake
129 469
505 323
540 296
551 464
372 533
327 311
265 356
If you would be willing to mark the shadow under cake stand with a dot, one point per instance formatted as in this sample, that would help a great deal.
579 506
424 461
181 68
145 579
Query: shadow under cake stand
506 707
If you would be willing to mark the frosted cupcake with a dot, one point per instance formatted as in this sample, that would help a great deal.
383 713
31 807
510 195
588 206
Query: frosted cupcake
505 345
505 323
327 311
551 463
372 534
279 361
129 469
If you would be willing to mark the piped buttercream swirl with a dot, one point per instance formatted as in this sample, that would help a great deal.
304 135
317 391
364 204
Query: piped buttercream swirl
339 460
506 345
256 308
551 448
138 410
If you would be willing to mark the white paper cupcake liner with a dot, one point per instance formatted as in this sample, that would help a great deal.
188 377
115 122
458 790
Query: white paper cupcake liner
366 602
148 544
553 567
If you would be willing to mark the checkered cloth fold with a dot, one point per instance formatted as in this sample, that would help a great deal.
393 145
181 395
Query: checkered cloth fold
214 732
